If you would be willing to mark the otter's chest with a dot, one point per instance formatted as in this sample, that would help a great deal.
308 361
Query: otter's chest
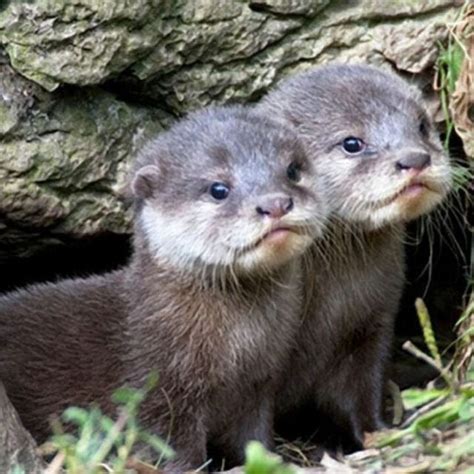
252 365
350 294
259 341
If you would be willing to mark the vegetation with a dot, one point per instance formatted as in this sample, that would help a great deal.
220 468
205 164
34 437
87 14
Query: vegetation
438 434
98 444
449 66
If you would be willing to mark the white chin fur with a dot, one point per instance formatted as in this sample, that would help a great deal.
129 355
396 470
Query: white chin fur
171 239
403 210
268 256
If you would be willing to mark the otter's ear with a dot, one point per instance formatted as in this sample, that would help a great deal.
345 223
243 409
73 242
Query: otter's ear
145 181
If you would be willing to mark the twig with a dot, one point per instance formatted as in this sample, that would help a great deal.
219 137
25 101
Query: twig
56 464
428 334
397 402
110 439
412 349
424 409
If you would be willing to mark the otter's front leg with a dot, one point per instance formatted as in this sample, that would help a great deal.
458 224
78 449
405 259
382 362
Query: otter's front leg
189 455
253 423
188 438
350 397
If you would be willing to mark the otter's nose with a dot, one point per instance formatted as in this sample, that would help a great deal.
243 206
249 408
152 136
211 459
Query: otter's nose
414 160
275 206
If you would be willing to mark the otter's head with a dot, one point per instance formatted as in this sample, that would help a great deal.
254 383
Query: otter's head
227 188
371 139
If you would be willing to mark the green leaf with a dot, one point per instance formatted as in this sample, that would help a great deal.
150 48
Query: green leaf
106 423
127 395
466 411
415 397
260 461
76 415
438 416
157 444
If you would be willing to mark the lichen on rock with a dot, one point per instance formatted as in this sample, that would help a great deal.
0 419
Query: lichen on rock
64 155
79 42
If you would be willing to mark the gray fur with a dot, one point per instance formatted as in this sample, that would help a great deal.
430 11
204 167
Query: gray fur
356 283
215 317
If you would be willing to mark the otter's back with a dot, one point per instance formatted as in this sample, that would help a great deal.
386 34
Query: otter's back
50 331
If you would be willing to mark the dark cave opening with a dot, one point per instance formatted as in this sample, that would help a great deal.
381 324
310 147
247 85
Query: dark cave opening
71 258
438 270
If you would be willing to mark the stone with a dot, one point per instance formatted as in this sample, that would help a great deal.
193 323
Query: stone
63 157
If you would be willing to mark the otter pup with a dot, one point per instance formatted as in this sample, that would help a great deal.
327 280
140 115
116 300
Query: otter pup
225 204
370 138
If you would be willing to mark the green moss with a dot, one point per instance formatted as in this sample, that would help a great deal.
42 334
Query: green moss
8 119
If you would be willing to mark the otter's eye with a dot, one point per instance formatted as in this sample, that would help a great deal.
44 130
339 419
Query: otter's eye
219 191
353 145
423 128
293 172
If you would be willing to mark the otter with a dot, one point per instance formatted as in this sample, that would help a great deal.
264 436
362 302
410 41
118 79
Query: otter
225 204
371 140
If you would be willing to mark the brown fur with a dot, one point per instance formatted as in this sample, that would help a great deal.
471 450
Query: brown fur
338 369
204 302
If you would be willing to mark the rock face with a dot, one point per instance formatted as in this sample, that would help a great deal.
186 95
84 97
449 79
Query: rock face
62 158
84 82
17 447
